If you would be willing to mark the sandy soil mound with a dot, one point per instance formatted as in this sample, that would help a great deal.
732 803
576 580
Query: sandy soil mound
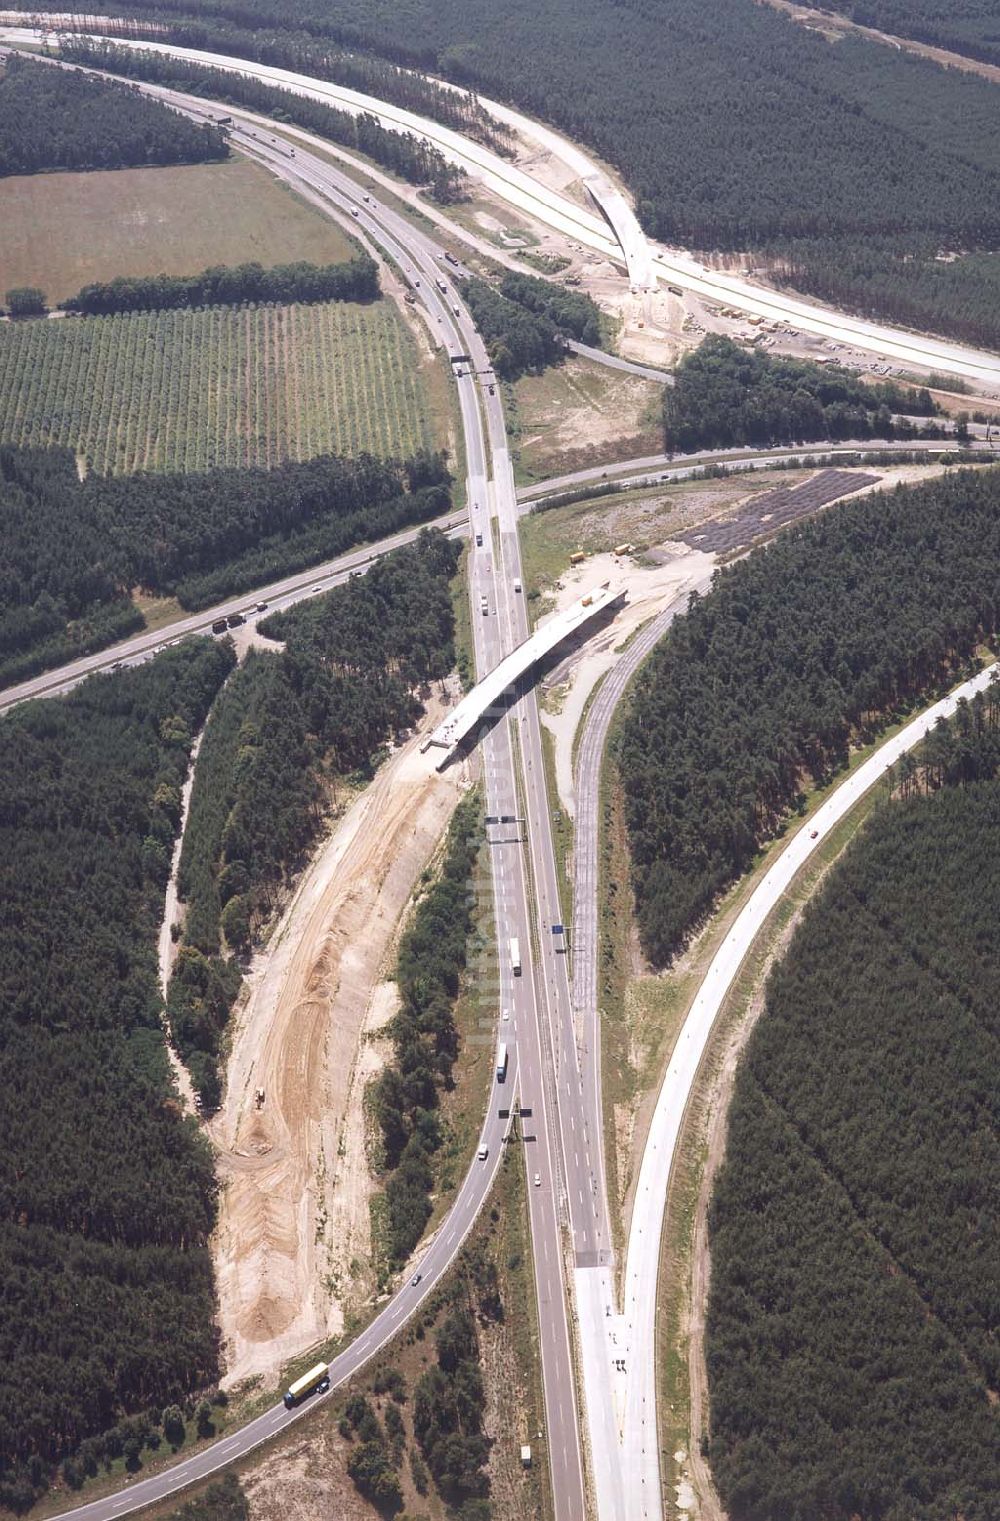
291 1168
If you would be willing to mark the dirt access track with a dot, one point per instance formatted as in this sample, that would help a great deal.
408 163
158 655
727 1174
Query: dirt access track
299 1036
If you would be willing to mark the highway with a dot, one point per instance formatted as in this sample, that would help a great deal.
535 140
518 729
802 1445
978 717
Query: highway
551 1027
277 595
650 470
494 566
603 1380
626 244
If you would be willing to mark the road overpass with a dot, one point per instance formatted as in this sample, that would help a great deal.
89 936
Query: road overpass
484 699
625 225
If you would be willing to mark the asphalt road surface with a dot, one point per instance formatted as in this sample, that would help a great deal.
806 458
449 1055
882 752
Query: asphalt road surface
516 1003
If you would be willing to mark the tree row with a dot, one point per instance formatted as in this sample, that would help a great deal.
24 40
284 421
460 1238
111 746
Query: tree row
229 285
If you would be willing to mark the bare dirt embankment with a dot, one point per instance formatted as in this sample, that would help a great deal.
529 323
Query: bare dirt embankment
293 1167
173 914
650 589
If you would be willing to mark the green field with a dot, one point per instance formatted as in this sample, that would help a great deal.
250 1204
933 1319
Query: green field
61 231
188 390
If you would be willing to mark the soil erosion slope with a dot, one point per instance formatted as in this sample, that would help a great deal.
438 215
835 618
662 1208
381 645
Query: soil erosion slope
280 1277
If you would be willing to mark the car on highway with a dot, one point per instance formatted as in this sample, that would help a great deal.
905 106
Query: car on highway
538 1180
479 541
483 1153
416 1279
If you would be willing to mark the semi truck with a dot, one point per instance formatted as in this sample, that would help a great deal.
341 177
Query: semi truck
515 958
317 1379
502 1062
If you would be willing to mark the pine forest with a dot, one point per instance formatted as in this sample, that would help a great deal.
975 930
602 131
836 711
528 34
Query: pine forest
852 1324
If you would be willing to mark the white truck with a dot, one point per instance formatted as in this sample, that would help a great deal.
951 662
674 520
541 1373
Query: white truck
515 958
502 1062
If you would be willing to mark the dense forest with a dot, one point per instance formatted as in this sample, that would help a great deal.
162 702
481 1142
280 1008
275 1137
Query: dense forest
815 139
107 1195
71 549
852 1323
58 596
963 26
284 727
839 625
53 118
403 153
574 314
724 394
432 955
907 280
230 285
518 341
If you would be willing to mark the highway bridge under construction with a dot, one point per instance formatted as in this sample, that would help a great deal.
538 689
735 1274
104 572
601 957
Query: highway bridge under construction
485 696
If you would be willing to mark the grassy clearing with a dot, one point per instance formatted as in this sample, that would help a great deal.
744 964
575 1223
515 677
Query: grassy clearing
158 612
465 651
61 231
492 222
562 829
641 517
582 413
189 390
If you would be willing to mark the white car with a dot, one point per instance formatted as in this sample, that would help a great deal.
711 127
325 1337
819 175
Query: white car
538 1180
484 1152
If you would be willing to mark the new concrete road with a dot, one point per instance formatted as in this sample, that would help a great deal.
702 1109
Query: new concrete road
518 1026
602 1356
522 191
628 366
636 1328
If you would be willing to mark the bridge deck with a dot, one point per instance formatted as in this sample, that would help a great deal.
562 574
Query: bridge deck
486 694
